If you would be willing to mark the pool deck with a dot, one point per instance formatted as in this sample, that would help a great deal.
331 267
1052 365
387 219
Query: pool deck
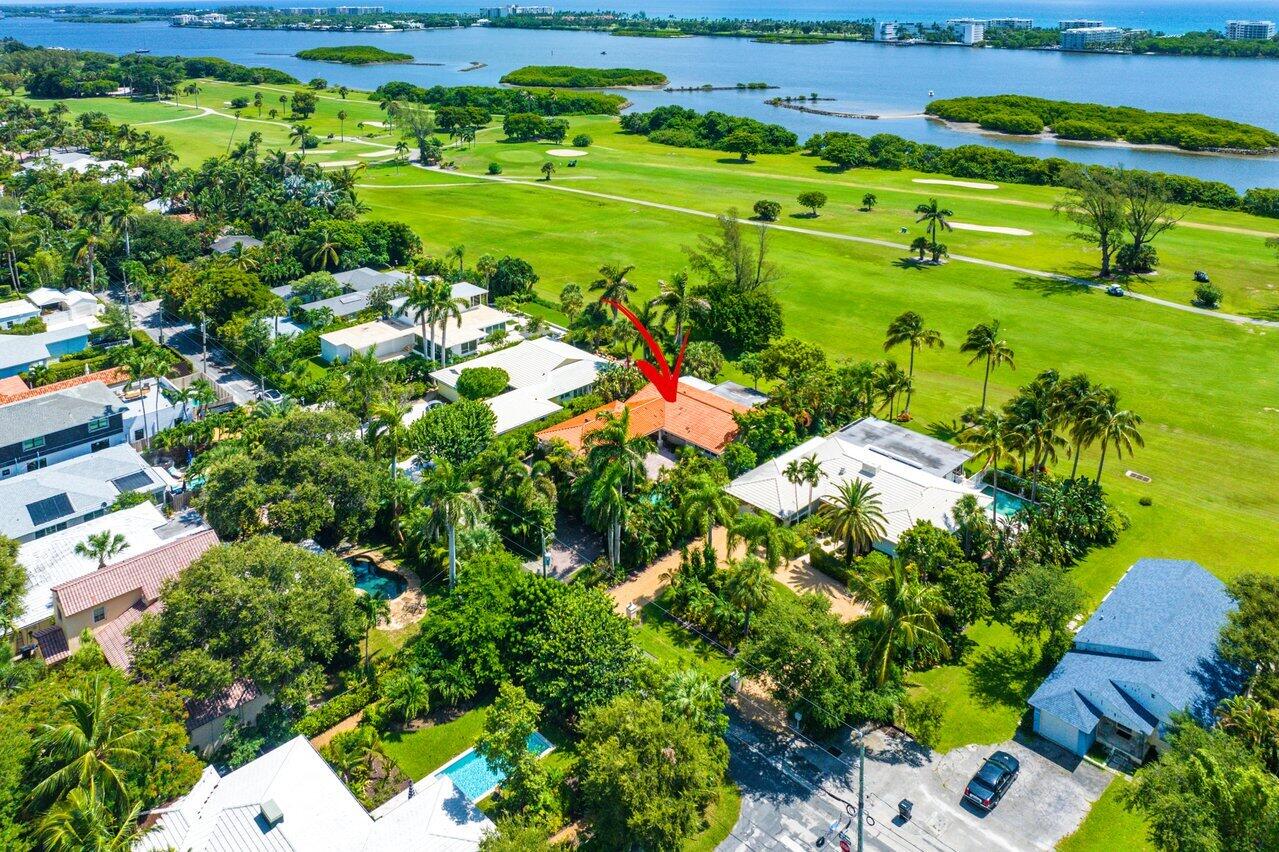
410 606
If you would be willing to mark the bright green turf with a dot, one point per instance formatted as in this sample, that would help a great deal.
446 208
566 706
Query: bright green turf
670 644
721 816
1109 826
426 750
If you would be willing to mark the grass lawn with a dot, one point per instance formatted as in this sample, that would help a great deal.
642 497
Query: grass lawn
384 643
671 644
1109 826
721 816
423 751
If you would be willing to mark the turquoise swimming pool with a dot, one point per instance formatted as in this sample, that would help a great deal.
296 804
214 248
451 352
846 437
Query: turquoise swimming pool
472 774
373 580
1005 504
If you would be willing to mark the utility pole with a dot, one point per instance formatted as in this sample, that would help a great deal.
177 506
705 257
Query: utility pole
861 793
128 254
204 344
544 554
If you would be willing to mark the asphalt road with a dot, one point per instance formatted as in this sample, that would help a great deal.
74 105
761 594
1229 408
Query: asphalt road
185 338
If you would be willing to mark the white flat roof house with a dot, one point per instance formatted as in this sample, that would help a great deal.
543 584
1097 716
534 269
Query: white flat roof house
908 491
61 308
84 162
385 339
289 799
543 374
17 311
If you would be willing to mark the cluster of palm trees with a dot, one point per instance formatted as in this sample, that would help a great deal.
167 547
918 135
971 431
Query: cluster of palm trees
937 219
671 311
432 303
1049 417
614 470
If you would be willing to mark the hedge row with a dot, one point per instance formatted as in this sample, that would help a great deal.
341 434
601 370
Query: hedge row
334 710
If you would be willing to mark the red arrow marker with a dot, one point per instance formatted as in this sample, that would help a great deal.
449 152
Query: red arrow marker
663 377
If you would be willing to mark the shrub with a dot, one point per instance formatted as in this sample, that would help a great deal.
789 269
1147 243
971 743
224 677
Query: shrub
1145 501
767 211
334 710
1207 296
1084 130
1144 259
814 201
921 716
1021 123
582 140
495 168
482 382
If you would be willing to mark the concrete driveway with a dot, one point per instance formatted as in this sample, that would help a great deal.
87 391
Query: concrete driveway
796 795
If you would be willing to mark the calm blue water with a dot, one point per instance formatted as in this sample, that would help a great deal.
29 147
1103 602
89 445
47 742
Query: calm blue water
472 774
375 581
1006 504
861 77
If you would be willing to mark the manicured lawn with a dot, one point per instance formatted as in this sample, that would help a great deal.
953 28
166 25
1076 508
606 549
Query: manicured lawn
1109 826
384 643
721 816
421 752
671 644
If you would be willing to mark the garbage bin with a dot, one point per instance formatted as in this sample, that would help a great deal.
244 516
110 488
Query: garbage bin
904 808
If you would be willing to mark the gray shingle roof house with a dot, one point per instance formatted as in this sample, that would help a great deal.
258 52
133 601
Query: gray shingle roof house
223 245
1149 650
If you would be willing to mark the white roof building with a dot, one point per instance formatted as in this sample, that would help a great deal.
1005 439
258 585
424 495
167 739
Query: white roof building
83 162
289 800
543 373
907 492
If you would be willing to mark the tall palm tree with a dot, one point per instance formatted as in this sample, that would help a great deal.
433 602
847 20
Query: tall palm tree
901 618
387 421
82 821
88 746
983 342
1112 426
855 517
706 504
445 307
102 546
612 443
342 125
891 382
458 253
374 609
750 587
909 329
794 475
811 471
606 506
193 89
327 254
257 102
678 303
299 133
453 504
1071 406
987 437
613 285
935 216
419 301
145 363
366 376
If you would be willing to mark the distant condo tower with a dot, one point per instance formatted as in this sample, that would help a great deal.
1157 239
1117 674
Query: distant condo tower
1078 24
1250 30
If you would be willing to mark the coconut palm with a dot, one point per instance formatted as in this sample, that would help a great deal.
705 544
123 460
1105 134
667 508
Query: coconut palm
706 504
1072 405
453 504
102 546
145 362
764 537
342 125
920 244
1112 426
749 586
387 424
987 437
257 102
458 253
794 475
419 301
445 306
891 382
203 394
300 133
854 516
909 329
983 342
613 286
374 610
811 471
606 507
325 255
82 821
88 745
613 444
936 218
193 89
901 618
366 377
678 303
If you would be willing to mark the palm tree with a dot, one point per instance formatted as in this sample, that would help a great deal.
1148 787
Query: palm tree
284 102
193 89
613 444
203 394
919 244
750 587
706 504
764 537
88 747
445 306
901 618
419 300
257 102
453 504
1114 427
82 821
145 363
794 475
869 200
891 382
387 422
458 252
1072 406
613 286
366 376
854 516
678 303
811 471
1255 724
102 546
935 217
987 437
299 133
342 125
984 343
407 694
909 329
689 693
374 610
606 506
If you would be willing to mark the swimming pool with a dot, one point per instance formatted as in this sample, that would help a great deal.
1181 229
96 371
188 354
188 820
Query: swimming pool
1005 504
375 581
472 774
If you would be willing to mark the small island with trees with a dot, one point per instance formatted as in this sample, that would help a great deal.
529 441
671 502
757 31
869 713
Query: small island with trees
1026 116
572 77
354 54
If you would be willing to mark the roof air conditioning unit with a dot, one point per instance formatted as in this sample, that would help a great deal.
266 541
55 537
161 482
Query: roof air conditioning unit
271 813
869 469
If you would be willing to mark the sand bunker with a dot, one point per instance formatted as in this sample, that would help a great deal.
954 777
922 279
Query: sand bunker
388 152
964 183
992 229
336 164
566 152
374 124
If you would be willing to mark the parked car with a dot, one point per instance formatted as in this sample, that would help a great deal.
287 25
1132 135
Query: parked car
1201 276
271 395
996 775
1115 290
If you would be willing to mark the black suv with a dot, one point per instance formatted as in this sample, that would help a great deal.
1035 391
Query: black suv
994 778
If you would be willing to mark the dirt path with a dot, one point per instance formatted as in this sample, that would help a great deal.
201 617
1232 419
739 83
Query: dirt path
802 577
350 723
648 584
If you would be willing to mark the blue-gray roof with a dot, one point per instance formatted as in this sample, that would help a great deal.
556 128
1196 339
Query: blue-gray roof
1149 650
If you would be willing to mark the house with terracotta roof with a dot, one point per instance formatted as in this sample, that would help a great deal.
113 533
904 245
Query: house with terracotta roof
698 418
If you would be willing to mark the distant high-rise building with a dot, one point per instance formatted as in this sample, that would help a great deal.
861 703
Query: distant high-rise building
1009 24
885 31
1250 30
1079 24
1082 38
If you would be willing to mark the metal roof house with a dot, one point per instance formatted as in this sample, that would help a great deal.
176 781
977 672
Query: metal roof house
1150 650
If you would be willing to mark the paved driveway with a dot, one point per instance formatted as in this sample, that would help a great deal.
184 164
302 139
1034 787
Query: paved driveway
795 796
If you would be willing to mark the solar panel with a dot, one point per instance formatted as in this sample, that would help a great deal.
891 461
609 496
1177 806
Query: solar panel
49 509
135 480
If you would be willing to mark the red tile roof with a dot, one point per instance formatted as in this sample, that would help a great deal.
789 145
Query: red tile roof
112 376
232 698
12 386
143 574
697 417
53 644
113 638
